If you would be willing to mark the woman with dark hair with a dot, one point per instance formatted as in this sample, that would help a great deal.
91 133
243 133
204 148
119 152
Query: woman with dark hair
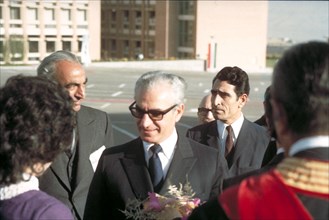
36 122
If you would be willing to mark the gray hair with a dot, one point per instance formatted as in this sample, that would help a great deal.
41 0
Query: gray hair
154 78
47 67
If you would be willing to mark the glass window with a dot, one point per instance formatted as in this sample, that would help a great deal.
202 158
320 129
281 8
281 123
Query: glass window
125 15
49 14
113 15
186 7
32 14
66 14
15 13
113 44
1 50
186 33
79 45
66 45
33 46
82 15
50 46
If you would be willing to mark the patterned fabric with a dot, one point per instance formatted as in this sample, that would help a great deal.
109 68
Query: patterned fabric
8 192
278 187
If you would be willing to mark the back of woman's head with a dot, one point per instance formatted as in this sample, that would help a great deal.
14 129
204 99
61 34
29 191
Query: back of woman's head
36 121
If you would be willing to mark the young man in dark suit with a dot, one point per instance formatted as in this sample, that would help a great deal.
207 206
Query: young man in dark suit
70 175
125 172
241 141
298 188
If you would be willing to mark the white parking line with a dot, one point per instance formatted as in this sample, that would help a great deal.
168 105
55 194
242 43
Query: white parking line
105 105
90 86
131 135
122 85
116 94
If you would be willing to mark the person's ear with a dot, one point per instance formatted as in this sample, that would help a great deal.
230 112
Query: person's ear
179 111
243 100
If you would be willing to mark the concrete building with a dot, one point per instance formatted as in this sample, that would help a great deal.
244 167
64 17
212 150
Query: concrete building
31 30
220 32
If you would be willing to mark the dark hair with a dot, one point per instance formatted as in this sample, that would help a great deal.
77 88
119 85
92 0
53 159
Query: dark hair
268 112
301 85
234 76
36 121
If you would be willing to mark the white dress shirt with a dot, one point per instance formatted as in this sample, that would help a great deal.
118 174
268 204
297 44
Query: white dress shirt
222 132
168 147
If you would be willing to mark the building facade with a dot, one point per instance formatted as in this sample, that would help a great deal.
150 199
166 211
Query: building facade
221 32
31 30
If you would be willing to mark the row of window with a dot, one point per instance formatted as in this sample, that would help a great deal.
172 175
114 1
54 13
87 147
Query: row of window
49 14
127 15
34 46
126 2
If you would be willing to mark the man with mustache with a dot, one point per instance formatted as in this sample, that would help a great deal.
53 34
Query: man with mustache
241 141
69 177
298 188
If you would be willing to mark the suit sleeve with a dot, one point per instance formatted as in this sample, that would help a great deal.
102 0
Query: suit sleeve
96 200
222 173
109 138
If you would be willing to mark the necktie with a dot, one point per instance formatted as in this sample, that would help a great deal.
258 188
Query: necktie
229 140
155 167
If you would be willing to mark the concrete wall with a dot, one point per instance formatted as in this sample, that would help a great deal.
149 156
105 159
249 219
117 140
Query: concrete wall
239 28
183 65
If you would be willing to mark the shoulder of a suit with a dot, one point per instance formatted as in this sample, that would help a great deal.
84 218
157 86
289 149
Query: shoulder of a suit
86 110
204 126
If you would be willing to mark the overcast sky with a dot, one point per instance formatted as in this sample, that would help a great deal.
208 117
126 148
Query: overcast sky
299 20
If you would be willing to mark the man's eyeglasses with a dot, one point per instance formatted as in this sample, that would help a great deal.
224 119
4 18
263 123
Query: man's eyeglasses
203 111
155 115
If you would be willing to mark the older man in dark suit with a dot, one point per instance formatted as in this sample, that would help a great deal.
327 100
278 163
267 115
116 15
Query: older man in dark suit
70 174
298 188
127 171
242 142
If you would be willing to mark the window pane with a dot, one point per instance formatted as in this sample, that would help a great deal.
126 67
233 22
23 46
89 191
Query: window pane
66 14
50 46
82 15
33 46
67 45
49 14
15 13
32 14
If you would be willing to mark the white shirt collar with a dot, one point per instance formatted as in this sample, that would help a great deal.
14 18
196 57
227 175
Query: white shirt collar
309 143
8 192
236 126
280 150
168 146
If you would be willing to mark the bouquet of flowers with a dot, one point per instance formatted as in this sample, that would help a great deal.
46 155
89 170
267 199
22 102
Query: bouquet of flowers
177 203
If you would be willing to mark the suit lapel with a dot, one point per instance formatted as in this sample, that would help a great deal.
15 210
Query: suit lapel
58 167
181 165
136 170
86 129
239 146
212 135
